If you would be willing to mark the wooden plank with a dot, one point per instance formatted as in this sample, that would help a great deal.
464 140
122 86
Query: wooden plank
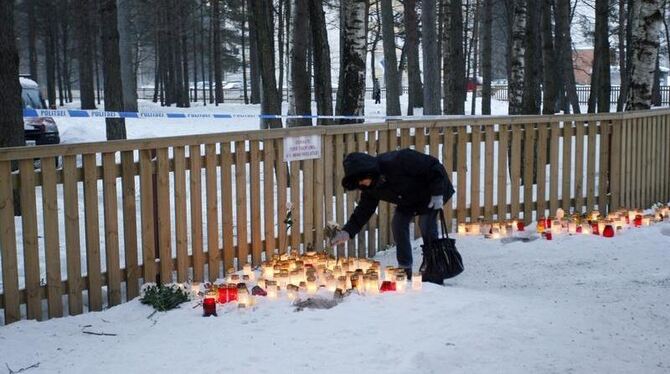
319 200
462 169
111 229
666 158
268 198
241 202
255 191
542 133
566 177
227 205
603 175
448 157
307 203
92 233
488 172
51 237
213 263
373 222
502 171
195 189
329 180
339 190
129 224
579 167
147 217
282 190
362 243
515 172
10 275
639 160
591 166
72 239
295 206
405 139
163 215
31 257
384 218
529 157
653 162
181 236
475 186
352 196
615 167
420 139
553 168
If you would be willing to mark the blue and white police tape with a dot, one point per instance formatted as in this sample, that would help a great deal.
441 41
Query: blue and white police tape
80 113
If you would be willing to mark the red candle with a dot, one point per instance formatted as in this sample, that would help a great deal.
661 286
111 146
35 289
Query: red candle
548 235
547 223
520 226
387 286
608 232
209 307
594 228
638 220
579 229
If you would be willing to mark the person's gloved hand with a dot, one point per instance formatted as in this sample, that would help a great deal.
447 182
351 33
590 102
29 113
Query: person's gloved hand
436 202
340 238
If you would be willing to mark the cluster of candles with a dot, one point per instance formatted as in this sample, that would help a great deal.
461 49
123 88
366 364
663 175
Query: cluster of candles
493 230
594 223
293 275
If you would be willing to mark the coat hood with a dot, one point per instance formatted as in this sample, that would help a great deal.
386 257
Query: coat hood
359 166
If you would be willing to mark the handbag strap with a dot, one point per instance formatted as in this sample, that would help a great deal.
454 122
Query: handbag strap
443 225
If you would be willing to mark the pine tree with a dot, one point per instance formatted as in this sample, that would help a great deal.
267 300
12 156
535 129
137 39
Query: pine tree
11 117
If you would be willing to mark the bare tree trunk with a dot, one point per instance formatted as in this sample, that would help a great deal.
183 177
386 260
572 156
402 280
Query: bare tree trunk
625 41
475 42
518 62
415 94
391 76
202 50
564 47
65 44
216 40
602 57
454 60
548 62
116 127
126 28
261 13
243 22
254 70
85 50
375 41
647 21
532 93
59 74
487 55
431 69
656 87
280 43
300 87
11 114
50 34
351 87
32 38
323 88
184 54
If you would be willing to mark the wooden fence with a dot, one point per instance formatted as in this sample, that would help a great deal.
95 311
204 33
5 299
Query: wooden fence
120 213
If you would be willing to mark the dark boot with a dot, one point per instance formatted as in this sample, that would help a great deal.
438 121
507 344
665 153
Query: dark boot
408 272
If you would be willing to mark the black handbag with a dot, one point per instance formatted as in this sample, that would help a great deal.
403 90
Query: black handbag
441 259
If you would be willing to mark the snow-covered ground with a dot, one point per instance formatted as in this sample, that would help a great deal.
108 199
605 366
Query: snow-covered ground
576 304
78 130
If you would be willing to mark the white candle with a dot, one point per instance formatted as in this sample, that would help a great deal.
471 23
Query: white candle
461 229
417 281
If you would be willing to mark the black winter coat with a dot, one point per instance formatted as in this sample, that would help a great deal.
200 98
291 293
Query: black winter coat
406 178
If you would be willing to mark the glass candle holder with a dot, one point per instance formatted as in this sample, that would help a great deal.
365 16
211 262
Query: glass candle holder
595 228
417 281
401 283
638 220
387 286
541 225
208 307
461 229
608 231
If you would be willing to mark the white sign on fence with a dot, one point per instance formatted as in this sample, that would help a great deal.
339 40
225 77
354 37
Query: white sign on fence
298 148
